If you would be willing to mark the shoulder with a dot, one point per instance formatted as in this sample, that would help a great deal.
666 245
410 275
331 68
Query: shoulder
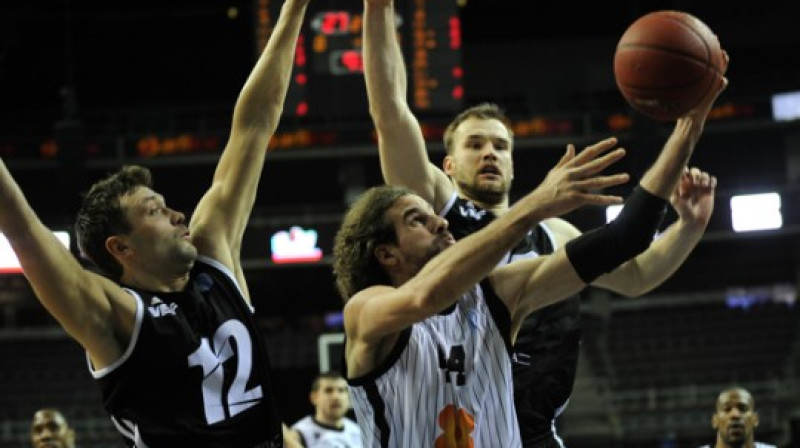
304 423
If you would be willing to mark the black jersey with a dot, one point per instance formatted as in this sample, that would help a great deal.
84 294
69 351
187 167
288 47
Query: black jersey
196 371
546 350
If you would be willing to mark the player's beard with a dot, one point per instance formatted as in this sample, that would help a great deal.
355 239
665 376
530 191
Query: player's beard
491 195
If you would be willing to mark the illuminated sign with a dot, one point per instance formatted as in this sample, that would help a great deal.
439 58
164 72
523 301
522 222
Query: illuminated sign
329 48
9 263
295 246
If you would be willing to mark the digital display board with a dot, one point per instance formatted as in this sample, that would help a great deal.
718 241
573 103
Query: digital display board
327 78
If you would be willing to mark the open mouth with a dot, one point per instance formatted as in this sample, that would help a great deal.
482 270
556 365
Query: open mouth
489 170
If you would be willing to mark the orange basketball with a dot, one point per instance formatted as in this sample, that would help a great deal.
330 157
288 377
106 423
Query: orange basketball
665 62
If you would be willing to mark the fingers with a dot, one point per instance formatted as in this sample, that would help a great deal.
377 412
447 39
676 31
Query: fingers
601 199
568 155
701 178
695 182
601 182
592 151
599 164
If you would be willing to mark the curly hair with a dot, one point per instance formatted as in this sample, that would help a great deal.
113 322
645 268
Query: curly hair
101 215
364 227
484 111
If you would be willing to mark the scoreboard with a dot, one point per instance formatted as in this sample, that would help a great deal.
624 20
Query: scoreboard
327 77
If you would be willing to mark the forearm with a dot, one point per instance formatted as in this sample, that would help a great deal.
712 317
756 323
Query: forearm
655 265
401 145
261 100
448 275
221 216
384 68
16 215
604 249
662 178
52 270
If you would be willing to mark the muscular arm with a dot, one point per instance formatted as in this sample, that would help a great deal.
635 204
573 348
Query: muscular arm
93 310
219 221
401 145
528 285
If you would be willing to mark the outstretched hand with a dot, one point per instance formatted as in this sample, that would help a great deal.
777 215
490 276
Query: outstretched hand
576 178
693 199
700 112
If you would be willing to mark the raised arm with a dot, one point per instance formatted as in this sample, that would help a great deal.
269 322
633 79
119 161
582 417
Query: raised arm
528 285
93 310
218 223
662 178
401 145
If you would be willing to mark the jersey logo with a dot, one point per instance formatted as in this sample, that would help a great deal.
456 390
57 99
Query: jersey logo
162 309
469 211
457 425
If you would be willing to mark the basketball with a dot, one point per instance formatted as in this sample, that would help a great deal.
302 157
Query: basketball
665 63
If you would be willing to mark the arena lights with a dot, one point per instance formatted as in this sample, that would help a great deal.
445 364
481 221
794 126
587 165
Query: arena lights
786 106
612 211
9 263
296 245
756 212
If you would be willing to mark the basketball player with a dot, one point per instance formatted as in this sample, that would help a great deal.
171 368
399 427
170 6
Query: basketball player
735 420
170 335
429 327
50 429
329 427
473 189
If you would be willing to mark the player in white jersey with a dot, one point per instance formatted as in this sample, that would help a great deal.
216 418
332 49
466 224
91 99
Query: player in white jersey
329 426
429 323
735 420
477 172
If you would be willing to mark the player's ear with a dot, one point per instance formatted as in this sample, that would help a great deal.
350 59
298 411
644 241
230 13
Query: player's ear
714 421
447 165
755 418
386 255
117 246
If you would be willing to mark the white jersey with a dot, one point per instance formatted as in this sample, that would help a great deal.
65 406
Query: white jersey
447 379
317 435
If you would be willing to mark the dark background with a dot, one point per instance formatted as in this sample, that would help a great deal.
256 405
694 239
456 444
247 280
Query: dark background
108 73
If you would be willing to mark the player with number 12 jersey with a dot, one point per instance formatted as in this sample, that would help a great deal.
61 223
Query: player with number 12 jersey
201 348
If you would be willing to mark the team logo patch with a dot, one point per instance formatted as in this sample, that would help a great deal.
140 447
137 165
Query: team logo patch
469 211
457 426
161 309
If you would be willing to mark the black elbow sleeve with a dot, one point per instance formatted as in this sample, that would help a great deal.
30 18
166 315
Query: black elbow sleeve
604 249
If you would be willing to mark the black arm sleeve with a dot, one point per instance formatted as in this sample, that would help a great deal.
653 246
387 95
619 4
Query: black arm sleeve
603 249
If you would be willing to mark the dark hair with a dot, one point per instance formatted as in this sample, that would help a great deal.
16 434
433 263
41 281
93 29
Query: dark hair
101 216
484 111
364 227
330 375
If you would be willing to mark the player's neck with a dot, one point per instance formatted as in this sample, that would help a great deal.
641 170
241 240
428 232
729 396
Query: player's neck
496 209
746 444
149 282
336 423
